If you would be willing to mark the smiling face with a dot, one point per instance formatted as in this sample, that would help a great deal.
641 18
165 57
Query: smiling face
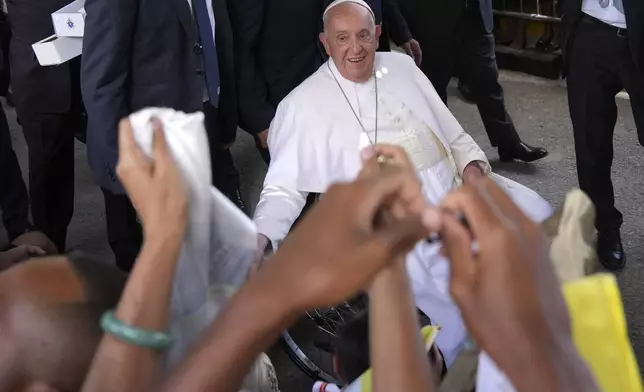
350 37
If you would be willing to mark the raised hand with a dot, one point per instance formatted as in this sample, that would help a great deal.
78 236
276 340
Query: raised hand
154 186
337 250
506 288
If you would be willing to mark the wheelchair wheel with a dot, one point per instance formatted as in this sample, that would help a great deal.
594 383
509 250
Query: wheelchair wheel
309 343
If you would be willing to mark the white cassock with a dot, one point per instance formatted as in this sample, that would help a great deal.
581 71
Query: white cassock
315 140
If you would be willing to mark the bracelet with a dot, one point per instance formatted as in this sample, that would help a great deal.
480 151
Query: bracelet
133 335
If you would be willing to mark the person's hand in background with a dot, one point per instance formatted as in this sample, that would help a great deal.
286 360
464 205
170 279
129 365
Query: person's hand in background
28 245
507 291
18 254
412 48
263 138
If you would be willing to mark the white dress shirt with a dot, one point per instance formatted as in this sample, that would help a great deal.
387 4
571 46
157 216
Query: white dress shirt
613 14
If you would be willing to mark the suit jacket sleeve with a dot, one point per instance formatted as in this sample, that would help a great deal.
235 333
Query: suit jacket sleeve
255 111
398 29
109 28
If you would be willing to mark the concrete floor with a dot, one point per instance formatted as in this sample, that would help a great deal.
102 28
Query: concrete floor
540 113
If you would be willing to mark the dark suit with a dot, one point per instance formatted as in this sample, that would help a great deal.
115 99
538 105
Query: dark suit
5 41
277 48
456 39
144 53
14 200
49 105
599 64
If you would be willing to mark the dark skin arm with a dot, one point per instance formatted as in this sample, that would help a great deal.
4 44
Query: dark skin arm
398 357
158 194
232 343
333 252
524 326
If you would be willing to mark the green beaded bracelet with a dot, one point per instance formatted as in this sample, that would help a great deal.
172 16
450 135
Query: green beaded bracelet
134 336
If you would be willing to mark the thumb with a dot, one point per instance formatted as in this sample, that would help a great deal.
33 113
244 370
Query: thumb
33 250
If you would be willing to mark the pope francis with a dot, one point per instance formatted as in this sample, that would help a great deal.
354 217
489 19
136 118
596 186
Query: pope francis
357 99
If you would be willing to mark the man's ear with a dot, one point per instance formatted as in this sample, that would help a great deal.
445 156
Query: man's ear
378 32
325 43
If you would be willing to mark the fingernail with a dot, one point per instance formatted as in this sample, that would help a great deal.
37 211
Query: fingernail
156 124
367 153
432 219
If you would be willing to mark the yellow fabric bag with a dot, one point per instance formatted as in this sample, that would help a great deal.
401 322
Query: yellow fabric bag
599 330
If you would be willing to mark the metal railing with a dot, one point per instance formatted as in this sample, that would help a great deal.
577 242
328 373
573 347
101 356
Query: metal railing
539 10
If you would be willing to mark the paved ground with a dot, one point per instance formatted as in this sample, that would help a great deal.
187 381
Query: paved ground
541 116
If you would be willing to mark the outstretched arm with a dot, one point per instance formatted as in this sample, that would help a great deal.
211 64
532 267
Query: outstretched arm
157 191
333 253
398 356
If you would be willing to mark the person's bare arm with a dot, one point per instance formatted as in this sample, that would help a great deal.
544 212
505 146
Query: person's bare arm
523 326
157 193
398 357
331 254
555 366
249 324
120 366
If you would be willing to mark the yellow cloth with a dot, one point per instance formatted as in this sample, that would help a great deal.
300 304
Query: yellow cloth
600 333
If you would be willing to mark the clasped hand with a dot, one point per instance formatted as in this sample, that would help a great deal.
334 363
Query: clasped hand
361 227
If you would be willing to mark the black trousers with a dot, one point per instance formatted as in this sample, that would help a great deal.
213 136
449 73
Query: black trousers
600 65
225 176
14 200
124 232
467 50
50 139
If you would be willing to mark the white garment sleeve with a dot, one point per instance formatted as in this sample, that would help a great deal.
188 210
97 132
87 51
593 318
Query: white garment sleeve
280 202
464 149
277 210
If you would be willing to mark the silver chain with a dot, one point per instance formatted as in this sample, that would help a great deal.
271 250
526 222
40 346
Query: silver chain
375 130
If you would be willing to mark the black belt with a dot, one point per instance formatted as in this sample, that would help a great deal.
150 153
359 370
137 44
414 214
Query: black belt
618 31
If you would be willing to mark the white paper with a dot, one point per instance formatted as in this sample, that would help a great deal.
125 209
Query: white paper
220 243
